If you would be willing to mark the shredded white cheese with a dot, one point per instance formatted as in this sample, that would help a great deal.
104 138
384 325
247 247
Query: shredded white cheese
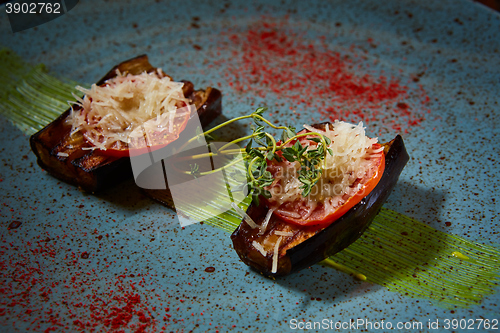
264 224
289 214
110 113
351 150
62 154
244 215
283 233
259 248
274 268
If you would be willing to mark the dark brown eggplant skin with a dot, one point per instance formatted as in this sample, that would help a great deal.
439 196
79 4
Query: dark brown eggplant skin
310 245
88 169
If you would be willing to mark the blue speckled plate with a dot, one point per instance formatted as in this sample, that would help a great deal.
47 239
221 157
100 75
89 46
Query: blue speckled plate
118 253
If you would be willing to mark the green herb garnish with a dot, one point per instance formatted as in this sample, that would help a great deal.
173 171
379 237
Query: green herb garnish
262 148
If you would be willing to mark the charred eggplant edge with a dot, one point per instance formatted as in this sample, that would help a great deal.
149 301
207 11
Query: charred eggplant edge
326 243
332 239
109 170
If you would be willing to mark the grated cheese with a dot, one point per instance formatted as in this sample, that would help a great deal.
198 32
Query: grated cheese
111 112
349 162
259 248
264 224
284 233
244 215
274 268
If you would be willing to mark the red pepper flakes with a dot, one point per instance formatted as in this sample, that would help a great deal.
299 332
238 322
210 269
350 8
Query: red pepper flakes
28 285
271 59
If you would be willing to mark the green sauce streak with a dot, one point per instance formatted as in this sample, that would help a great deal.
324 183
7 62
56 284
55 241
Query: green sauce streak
418 261
29 97
459 255
398 252
412 259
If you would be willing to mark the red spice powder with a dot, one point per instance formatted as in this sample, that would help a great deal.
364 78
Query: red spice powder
45 287
271 60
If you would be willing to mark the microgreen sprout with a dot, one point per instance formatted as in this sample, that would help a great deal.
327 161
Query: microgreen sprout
262 148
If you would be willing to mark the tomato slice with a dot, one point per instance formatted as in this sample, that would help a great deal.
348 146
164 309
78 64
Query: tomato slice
155 140
320 216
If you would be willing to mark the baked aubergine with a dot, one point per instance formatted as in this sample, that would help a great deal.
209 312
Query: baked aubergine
289 232
87 145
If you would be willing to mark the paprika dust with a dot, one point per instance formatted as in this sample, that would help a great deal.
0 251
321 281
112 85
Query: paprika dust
272 60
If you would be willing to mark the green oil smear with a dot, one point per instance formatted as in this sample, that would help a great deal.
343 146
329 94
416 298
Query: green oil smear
398 252
418 261
29 97
408 257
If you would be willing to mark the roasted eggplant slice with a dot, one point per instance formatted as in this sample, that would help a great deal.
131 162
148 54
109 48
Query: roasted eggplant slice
293 247
69 157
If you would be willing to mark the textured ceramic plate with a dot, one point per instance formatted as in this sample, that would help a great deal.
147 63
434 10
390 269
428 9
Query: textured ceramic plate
428 70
